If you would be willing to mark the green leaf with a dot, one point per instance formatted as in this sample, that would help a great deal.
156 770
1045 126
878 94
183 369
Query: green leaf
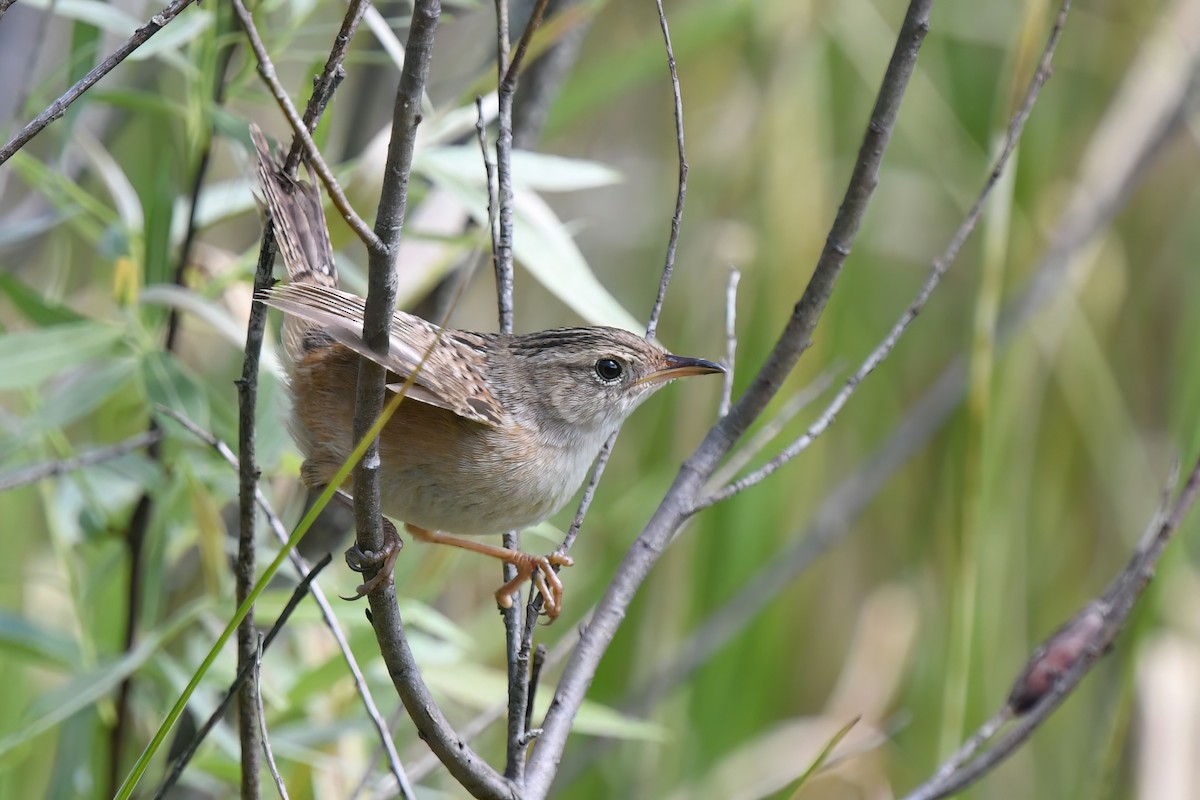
823 756
36 308
20 637
83 690
81 394
543 246
170 384
67 197
545 173
29 357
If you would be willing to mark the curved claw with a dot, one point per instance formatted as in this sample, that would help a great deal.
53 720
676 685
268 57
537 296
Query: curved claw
383 561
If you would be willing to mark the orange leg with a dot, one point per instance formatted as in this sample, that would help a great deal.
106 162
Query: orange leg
539 568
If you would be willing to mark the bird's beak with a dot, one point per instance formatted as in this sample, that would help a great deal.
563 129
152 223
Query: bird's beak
682 367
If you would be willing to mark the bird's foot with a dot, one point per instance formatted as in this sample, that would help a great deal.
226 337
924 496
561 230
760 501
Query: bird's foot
545 579
383 561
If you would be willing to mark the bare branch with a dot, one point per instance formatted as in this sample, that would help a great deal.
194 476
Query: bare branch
60 106
535 674
50 469
329 79
681 191
489 168
248 476
471 772
504 142
676 505
940 265
1061 663
256 681
266 71
247 386
516 655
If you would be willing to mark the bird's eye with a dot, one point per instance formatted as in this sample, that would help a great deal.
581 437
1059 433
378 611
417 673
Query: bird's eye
608 369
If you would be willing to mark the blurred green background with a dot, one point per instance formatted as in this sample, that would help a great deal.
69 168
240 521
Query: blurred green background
1016 512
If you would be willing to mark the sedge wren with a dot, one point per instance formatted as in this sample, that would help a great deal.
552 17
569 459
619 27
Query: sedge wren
496 432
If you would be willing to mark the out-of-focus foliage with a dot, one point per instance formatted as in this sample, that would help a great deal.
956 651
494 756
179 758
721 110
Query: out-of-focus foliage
1017 512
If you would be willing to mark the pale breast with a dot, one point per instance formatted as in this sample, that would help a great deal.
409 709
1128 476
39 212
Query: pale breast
439 471
478 479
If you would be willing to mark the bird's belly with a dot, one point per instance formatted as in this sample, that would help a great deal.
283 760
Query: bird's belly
443 473
487 486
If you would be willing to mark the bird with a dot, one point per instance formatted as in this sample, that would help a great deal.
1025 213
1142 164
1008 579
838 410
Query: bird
496 432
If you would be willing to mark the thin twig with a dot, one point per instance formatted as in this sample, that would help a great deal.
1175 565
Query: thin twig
327 82
256 680
502 41
681 190
382 729
597 473
513 72
248 476
938 269
60 106
1072 652
516 656
731 288
489 168
472 773
266 71
677 503
509 72
423 767
239 680
50 469
773 426
535 674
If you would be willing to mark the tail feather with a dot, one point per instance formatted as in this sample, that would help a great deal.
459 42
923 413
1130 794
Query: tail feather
299 220
301 235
